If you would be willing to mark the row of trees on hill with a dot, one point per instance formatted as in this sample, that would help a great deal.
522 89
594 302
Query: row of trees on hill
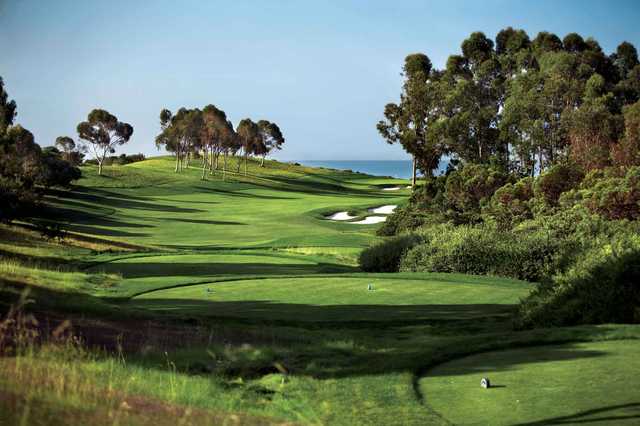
208 134
522 105
204 133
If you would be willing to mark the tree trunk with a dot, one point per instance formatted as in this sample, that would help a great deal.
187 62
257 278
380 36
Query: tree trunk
177 162
217 156
413 174
246 160
539 161
204 164
100 167
262 162
224 167
239 162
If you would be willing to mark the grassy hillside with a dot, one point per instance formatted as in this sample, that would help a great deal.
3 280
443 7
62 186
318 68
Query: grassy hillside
237 301
275 206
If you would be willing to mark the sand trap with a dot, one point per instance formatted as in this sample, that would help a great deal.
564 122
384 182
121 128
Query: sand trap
408 187
370 220
340 216
393 188
388 209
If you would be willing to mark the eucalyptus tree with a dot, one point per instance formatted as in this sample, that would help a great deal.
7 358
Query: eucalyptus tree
407 123
103 132
473 87
271 138
70 152
518 103
181 134
168 137
249 136
218 133
8 109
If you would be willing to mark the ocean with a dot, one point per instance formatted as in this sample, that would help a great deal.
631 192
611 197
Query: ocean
394 168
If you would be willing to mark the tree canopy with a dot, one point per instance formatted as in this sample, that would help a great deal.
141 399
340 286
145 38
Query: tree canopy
518 104
103 133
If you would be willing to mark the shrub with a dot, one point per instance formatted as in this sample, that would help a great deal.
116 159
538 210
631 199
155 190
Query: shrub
627 151
121 159
602 286
482 250
55 170
511 203
558 179
402 220
385 256
615 197
468 189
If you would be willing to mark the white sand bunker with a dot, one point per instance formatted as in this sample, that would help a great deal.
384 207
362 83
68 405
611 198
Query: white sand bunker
370 220
388 209
392 188
341 216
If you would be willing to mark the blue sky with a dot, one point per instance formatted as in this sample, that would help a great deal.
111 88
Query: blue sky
322 70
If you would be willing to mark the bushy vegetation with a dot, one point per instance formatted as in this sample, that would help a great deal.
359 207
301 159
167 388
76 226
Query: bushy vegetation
552 229
385 256
24 166
602 286
484 250
542 137
120 160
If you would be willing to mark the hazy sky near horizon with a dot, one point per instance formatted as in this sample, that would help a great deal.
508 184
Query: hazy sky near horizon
322 70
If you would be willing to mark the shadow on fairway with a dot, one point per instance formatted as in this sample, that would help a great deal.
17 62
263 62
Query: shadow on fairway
92 230
86 222
202 221
265 311
611 414
241 194
104 198
169 269
314 187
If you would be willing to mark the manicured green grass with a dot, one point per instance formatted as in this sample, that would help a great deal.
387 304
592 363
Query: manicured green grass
408 297
289 333
594 383
276 206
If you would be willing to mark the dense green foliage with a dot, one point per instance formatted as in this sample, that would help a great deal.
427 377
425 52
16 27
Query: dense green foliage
519 104
24 166
483 250
542 138
385 256
603 285
541 229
